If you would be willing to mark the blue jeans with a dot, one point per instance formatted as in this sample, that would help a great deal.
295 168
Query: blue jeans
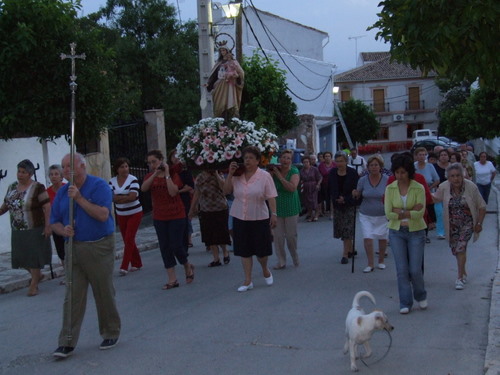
408 250
172 238
438 209
484 190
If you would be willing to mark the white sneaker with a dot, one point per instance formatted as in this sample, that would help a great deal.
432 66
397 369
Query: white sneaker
368 269
123 272
423 304
404 310
269 280
464 279
244 288
459 284
381 266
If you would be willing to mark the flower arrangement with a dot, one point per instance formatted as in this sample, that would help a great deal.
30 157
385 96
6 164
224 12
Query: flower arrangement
213 143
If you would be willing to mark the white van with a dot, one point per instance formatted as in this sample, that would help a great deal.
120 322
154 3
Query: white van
421 134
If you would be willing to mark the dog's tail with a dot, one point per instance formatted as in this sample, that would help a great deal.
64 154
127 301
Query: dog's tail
357 297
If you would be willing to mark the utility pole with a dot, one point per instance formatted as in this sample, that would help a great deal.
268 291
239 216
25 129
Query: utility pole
206 54
356 47
239 34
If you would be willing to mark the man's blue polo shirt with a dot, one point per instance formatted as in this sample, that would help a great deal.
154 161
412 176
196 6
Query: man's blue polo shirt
96 191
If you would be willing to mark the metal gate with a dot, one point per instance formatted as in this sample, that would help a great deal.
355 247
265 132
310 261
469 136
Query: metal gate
129 140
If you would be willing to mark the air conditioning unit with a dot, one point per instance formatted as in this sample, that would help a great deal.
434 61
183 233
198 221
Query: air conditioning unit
398 117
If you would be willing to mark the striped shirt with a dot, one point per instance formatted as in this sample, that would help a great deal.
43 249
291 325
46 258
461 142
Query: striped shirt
131 185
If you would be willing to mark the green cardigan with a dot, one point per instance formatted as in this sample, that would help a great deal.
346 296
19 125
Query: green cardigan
416 194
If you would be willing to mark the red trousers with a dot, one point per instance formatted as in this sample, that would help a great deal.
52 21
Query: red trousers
128 228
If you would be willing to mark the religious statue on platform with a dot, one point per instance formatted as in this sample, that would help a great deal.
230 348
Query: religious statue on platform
226 84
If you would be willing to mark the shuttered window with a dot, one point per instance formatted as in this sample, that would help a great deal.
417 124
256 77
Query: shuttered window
413 98
378 100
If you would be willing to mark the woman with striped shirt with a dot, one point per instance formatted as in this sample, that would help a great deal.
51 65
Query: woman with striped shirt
128 210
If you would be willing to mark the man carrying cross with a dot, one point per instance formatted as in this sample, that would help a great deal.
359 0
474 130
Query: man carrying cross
93 254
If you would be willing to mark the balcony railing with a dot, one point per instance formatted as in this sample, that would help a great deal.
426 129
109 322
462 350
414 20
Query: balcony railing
414 105
380 107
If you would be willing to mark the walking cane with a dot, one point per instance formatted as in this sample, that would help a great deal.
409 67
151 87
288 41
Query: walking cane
354 240
69 248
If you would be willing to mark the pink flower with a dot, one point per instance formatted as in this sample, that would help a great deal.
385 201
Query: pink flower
237 154
229 155
238 141
211 158
207 140
199 160
217 142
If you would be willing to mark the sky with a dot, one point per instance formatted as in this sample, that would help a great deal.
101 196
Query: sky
341 19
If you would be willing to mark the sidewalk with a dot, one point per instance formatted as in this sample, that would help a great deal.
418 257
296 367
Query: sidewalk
14 279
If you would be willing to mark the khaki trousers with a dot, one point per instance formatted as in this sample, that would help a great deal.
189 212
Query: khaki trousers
93 264
286 229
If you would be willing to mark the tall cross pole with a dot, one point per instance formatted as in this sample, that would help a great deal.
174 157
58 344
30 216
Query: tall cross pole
69 254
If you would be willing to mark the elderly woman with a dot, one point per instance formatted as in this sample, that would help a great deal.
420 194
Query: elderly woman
252 218
311 183
210 199
169 217
286 178
226 84
404 207
56 179
128 210
464 211
324 167
485 174
371 211
342 181
29 206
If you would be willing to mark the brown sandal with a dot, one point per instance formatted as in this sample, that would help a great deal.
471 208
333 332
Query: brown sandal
171 285
190 278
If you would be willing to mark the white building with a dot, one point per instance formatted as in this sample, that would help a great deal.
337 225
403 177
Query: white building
298 49
401 97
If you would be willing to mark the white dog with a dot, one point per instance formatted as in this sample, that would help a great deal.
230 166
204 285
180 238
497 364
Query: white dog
359 327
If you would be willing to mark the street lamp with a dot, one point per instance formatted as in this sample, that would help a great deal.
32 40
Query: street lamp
231 10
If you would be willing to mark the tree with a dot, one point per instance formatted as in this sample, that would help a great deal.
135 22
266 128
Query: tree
360 121
157 61
457 39
476 116
34 91
264 100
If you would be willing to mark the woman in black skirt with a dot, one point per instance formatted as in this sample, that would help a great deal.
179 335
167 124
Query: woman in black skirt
208 196
253 219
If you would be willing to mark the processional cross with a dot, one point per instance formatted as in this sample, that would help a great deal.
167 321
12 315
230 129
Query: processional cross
69 253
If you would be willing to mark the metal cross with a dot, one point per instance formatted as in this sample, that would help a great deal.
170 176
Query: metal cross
69 248
73 56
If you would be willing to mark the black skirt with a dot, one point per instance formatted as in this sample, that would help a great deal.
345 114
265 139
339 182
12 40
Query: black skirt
214 228
252 238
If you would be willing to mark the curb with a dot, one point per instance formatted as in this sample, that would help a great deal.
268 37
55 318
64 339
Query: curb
492 356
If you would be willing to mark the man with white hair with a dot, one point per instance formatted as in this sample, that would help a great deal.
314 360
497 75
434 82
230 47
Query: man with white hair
93 256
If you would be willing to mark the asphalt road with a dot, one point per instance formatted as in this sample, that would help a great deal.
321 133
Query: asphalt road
295 326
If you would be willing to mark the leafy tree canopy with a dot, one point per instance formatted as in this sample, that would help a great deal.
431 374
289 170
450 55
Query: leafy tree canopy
477 116
457 39
158 61
34 91
360 121
264 100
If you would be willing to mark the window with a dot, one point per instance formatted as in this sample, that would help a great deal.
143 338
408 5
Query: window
383 134
413 98
345 95
410 128
378 100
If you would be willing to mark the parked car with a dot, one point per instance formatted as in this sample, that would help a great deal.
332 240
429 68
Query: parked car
421 134
429 144
449 141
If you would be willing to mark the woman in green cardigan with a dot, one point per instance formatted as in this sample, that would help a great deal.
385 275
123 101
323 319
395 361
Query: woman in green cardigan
404 206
